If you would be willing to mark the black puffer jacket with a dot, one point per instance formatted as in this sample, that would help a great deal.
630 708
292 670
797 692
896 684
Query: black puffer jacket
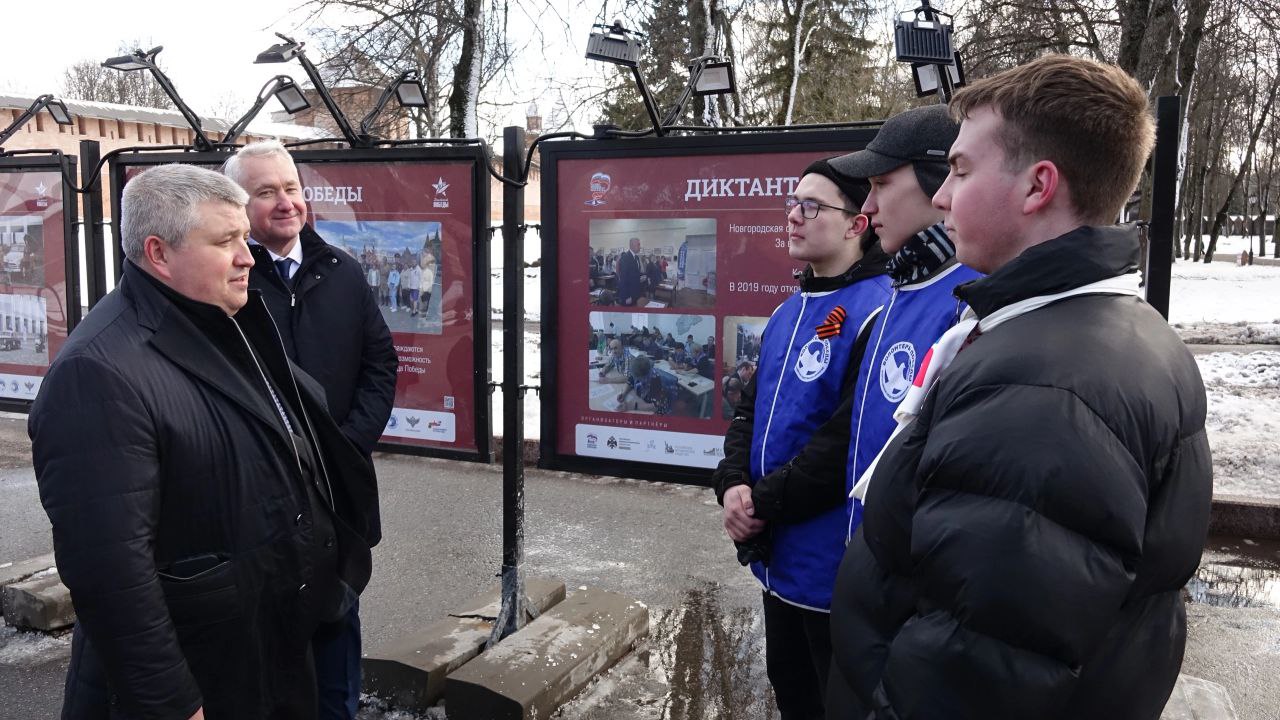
1025 542
152 446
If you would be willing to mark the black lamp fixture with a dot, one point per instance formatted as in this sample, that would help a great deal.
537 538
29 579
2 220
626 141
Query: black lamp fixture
291 49
712 76
409 93
140 60
924 40
617 45
281 87
925 76
44 102
708 75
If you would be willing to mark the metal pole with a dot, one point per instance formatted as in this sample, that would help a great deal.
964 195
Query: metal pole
94 255
650 105
1164 176
512 615
945 88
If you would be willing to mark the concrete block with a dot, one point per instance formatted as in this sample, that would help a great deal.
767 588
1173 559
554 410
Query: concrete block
40 602
536 670
1197 699
12 572
410 671
1241 516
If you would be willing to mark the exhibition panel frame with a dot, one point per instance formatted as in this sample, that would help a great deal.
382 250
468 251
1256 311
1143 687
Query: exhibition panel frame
391 208
39 269
706 214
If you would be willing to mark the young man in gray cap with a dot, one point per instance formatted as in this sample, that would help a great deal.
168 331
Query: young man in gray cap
782 480
906 163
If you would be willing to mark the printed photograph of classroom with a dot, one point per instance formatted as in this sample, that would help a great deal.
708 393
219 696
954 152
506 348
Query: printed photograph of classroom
655 263
652 364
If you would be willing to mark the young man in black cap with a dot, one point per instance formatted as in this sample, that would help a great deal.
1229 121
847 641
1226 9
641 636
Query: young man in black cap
906 163
782 481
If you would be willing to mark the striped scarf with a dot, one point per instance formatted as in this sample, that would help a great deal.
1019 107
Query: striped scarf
922 256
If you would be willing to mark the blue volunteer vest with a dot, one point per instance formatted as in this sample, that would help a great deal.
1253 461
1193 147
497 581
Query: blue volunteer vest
913 319
798 386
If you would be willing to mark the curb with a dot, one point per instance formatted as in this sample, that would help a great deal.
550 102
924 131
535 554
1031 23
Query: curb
1243 516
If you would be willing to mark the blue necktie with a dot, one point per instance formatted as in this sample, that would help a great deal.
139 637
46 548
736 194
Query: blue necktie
282 268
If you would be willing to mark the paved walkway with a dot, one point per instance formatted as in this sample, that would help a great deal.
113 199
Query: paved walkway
659 543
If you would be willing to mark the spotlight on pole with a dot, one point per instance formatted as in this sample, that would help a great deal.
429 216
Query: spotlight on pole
44 102
708 75
409 93
922 37
140 60
291 49
617 45
281 87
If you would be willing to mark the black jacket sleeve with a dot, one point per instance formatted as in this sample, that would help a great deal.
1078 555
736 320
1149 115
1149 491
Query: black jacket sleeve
98 468
735 468
814 481
376 389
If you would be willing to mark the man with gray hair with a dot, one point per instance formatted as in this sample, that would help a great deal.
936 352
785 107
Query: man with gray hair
199 494
331 327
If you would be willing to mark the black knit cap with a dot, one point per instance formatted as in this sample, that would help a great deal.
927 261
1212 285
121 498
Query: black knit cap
855 189
921 136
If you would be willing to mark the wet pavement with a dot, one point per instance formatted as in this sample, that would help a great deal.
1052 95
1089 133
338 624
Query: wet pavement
659 543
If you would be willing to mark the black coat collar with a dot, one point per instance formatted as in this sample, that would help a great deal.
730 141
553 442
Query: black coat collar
871 264
1084 255
201 339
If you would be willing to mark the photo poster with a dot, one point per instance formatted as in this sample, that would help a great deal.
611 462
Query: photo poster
668 268
410 224
34 312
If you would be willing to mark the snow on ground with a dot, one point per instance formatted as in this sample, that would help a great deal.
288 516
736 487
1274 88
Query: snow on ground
1222 292
1244 421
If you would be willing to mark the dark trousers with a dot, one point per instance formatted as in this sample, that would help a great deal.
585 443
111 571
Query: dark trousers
336 650
797 653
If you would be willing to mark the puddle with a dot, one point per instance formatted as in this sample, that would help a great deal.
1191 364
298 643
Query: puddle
702 660
1238 572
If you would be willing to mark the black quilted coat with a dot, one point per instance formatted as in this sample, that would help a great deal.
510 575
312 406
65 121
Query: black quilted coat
151 449
1025 542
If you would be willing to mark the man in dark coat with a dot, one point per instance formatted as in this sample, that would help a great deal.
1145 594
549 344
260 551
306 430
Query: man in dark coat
1027 536
629 274
332 328
203 503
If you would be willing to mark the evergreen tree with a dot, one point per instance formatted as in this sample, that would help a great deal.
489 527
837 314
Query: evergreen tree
835 79
664 64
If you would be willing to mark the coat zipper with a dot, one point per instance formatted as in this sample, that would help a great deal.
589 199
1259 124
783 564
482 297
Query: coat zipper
305 418
297 459
315 439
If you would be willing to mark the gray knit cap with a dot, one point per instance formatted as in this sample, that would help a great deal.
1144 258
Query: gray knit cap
921 136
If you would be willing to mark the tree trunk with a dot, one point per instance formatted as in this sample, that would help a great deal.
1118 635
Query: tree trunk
793 64
1244 166
466 73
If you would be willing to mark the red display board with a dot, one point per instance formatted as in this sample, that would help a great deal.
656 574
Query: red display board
395 218
673 254
397 209
35 312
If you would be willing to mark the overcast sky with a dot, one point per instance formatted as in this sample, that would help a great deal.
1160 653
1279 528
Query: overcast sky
211 61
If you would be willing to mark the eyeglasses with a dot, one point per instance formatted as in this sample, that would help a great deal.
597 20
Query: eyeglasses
810 208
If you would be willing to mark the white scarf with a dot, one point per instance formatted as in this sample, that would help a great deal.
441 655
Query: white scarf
945 349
